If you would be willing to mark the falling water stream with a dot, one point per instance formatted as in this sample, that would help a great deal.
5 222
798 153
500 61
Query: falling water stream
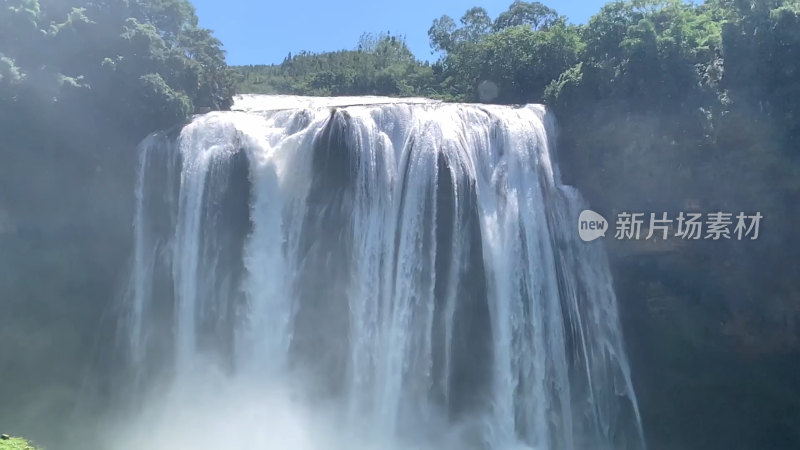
369 273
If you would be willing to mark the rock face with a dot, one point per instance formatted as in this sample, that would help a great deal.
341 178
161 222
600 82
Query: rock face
711 327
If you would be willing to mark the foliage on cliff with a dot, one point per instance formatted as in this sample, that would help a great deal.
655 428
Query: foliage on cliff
146 62
15 443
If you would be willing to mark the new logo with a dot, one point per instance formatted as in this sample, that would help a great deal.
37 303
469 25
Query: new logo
591 225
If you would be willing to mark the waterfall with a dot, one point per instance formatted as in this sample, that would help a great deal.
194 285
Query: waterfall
370 273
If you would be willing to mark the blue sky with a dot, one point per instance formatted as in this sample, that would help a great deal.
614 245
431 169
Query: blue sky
265 31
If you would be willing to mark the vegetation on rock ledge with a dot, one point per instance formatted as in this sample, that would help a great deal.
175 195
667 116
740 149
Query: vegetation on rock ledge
15 443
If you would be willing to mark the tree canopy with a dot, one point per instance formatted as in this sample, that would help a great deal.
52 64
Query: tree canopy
381 65
146 61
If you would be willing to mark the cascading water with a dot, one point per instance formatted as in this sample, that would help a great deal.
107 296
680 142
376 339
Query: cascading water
369 273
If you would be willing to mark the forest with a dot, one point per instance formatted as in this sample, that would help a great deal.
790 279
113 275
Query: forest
661 105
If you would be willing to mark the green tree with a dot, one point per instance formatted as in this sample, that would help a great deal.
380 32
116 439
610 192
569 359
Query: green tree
441 33
475 23
99 48
381 65
532 14
445 35
518 62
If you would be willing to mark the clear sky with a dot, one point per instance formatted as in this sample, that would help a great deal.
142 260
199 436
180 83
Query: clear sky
265 31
